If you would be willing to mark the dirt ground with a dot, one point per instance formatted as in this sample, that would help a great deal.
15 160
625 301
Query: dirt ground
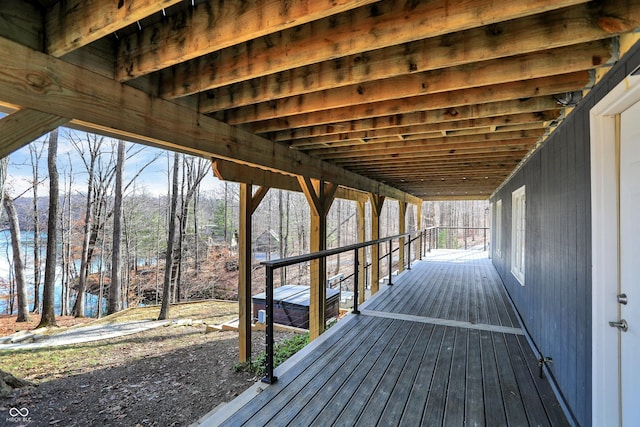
168 376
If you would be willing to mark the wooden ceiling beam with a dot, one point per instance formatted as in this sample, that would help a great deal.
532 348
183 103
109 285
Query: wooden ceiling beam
437 177
501 123
434 173
479 167
41 82
542 108
500 159
375 147
539 126
75 23
215 25
570 26
540 64
235 172
422 152
385 23
23 127
512 147
481 95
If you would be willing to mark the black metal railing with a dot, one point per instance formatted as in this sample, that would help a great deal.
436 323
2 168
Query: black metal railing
423 236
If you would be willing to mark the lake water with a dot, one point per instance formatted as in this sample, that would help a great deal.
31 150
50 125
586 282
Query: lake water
6 260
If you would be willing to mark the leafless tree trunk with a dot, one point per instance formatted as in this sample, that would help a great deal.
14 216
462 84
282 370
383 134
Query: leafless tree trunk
65 221
94 150
115 297
35 155
166 286
48 316
194 172
102 272
18 259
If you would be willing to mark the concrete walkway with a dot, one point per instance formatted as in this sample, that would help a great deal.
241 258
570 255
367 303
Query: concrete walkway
75 335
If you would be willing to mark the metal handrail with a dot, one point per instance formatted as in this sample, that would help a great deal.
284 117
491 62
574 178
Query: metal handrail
271 266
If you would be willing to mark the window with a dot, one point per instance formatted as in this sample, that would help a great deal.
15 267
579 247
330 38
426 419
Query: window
499 228
518 209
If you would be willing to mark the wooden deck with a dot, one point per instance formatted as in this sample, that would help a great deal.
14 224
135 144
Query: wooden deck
441 346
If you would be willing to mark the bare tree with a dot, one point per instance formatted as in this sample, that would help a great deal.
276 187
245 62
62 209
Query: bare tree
18 259
35 154
48 316
115 298
90 165
66 229
166 288
194 171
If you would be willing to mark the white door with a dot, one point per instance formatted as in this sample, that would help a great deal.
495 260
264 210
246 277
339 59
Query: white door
630 265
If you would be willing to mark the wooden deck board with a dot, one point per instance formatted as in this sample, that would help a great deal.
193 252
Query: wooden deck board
354 407
397 364
436 399
347 388
395 407
384 392
329 373
454 291
420 388
454 408
474 398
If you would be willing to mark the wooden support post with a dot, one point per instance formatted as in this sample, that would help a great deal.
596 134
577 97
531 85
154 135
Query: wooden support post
402 228
361 252
248 204
320 195
377 202
419 225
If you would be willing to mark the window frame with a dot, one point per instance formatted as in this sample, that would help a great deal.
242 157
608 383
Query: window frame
518 233
499 228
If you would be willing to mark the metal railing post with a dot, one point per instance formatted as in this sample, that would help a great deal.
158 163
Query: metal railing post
269 378
409 254
390 261
420 252
356 266
484 240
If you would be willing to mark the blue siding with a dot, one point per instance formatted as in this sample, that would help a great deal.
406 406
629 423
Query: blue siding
555 303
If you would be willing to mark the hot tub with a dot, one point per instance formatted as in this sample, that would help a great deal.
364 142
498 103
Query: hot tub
291 305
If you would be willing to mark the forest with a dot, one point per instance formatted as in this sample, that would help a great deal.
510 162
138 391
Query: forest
96 225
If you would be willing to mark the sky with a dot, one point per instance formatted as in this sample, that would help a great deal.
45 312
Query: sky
153 179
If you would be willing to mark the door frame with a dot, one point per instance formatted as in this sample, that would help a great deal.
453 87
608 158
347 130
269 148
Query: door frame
605 384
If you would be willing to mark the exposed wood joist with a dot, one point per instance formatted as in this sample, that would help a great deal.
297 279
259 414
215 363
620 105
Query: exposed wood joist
500 123
30 77
214 25
72 24
481 95
536 65
541 108
373 148
22 127
415 134
579 24
495 161
385 23
511 147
